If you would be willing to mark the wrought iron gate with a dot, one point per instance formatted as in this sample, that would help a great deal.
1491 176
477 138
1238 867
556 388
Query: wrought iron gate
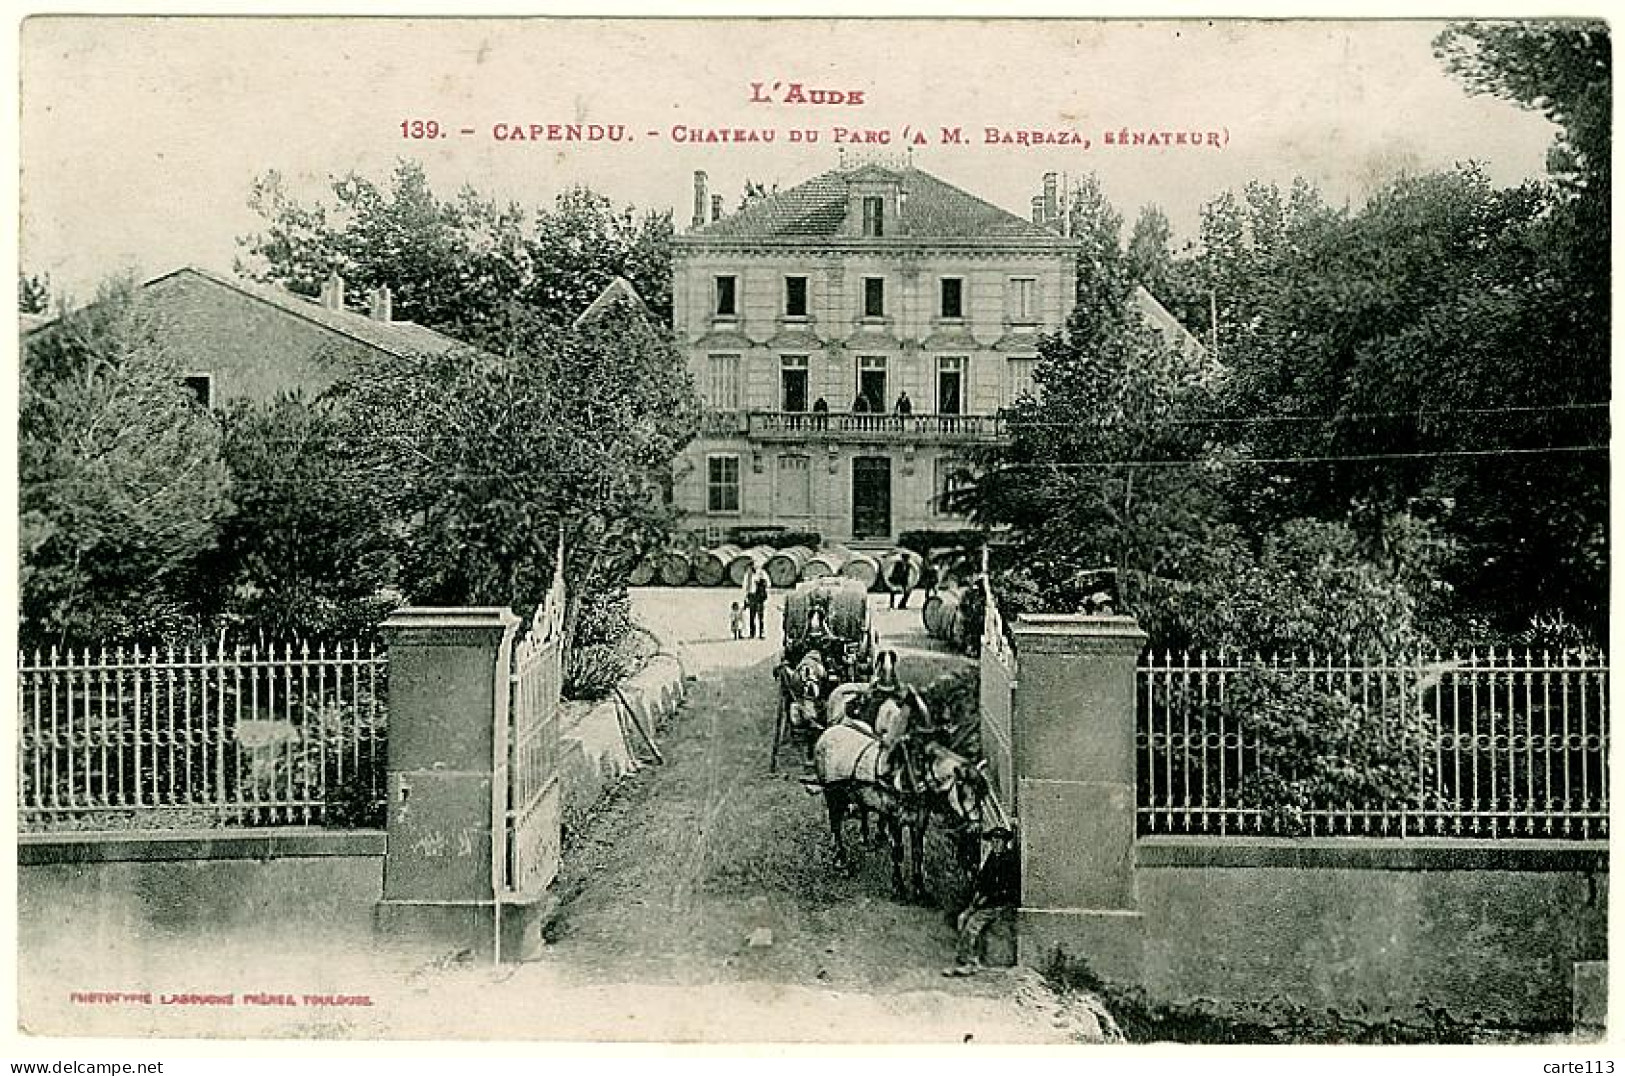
532 798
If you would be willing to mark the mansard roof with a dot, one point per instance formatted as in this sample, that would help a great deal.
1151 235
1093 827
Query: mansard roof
932 209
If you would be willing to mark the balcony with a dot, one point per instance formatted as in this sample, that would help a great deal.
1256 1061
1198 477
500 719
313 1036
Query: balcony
802 427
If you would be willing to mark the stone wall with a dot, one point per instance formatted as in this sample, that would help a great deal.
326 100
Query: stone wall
1495 932
1486 933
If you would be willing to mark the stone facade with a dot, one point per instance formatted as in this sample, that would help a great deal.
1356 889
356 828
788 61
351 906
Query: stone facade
795 299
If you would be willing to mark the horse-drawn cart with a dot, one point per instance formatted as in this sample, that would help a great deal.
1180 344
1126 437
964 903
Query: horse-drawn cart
828 641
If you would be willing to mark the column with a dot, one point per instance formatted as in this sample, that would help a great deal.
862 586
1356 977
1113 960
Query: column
448 723
1073 726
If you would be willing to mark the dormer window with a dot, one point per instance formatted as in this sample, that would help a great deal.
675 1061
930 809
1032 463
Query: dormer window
874 215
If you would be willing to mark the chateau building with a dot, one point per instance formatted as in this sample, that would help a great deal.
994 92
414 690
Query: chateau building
850 337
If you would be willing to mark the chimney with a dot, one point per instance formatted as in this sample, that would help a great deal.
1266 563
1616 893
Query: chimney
716 207
333 291
1052 208
383 303
1038 209
699 199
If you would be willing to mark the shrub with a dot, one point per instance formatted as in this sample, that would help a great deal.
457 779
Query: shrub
777 537
1308 588
599 656
342 742
1304 747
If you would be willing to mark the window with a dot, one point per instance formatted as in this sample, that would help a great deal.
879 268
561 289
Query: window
795 296
874 215
793 382
871 384
951 477
722 484
874 297
953 297
792 495
1023 299
1019 378
201 386
727 296
722 382
951 385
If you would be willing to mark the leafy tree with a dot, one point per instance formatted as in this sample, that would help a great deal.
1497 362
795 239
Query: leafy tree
1560 67
1150 256
306 555
491 457
121 479
1309 588
1104 281
34 293
1414 358
1102 471
457 265
1548 542
583 242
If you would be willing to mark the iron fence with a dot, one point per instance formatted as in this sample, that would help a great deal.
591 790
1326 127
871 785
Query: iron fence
1496 745
134 738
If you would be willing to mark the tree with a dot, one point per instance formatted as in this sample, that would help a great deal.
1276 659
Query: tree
121 478
1413 361
1150 258
1102 471
1560 67
457 265
1104 282
491 457
34 293
1550 538
582 243
306 555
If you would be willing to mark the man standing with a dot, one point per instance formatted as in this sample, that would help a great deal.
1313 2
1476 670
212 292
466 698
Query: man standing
757 585
899 582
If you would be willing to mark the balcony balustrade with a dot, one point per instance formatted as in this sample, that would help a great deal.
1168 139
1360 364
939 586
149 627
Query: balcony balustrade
846 426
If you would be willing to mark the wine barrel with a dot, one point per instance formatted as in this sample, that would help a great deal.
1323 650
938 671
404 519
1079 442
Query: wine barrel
748 561
825 562
888 564
848 604
642 573
674 568
784 566
865 569
711 565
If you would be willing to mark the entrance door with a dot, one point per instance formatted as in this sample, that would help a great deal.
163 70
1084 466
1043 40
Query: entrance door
871 497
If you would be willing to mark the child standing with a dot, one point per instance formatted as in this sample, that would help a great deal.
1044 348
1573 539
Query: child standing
736 619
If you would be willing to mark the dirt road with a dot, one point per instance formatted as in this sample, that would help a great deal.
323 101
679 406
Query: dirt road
709 870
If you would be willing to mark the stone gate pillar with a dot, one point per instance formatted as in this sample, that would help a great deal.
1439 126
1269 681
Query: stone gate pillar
1073 725
448 718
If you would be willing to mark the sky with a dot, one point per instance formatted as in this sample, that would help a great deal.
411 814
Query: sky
140 137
